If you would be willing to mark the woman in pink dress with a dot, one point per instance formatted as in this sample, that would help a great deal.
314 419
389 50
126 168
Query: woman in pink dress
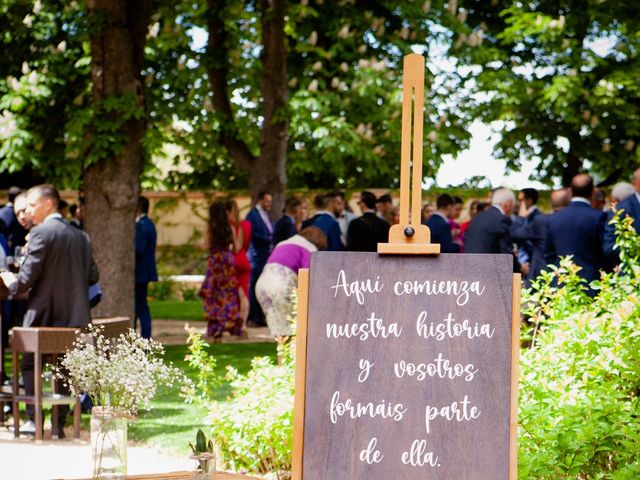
241 231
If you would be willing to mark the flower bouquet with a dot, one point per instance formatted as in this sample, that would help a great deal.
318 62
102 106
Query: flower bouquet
121 375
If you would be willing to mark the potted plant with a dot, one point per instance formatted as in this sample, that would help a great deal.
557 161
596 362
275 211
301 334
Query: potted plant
121 375
203 453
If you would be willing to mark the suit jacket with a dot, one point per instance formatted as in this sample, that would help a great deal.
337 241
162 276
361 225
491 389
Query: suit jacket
146 238
441 233
330 227
261 237
532 231
284 228
365 232
57 270
577 230
490 232
631 207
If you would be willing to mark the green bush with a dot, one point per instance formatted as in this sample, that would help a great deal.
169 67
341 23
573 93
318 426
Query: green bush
579 383
162 290
253 429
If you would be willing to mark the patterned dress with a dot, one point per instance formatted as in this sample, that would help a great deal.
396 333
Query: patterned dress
219 292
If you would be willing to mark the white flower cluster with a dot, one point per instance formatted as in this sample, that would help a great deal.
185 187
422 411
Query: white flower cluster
122 372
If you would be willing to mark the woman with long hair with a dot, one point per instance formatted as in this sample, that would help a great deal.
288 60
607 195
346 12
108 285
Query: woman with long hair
219 291
241 232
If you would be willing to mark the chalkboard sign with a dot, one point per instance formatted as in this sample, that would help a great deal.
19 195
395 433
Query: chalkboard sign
409 368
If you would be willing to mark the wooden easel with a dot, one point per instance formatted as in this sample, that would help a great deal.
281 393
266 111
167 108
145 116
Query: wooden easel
409 237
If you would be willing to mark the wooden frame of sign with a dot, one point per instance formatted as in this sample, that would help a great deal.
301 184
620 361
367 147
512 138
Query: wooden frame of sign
406 360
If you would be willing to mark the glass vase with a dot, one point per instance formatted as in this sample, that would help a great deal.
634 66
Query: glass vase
206 466
108 443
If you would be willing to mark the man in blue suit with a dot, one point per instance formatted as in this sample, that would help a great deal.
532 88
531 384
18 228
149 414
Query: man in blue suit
259 250
631 207
439 225
578 230
145 264
326 221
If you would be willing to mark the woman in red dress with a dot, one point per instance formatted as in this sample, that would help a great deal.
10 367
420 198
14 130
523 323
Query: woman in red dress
241 231
219 291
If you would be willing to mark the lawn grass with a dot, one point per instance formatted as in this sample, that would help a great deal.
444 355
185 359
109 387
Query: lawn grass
176 309
171 422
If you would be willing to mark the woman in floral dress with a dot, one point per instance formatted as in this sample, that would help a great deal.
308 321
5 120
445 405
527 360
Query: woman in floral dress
219 290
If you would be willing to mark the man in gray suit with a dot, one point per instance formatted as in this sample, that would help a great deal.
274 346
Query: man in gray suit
57 272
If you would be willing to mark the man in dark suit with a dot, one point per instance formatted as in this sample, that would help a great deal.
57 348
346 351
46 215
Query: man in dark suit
326 221
295 209
439 225
57 272
146 272
631 207
365 232
490 230
578 230
259 250
527 230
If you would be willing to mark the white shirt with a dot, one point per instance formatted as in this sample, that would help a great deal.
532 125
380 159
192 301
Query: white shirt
638 196
265 217
441 215
581 199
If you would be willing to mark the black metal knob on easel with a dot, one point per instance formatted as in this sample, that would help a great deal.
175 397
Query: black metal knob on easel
409 232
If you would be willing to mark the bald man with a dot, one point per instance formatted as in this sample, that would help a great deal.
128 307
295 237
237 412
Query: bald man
578 230
631 207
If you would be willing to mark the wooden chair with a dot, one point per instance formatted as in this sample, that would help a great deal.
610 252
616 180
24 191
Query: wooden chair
42 341
54 341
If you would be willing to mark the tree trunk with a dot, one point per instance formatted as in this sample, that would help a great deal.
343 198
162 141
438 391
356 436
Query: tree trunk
112 184
571 168
267 171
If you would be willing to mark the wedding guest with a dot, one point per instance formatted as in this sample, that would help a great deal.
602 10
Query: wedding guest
75 212
427 210
9 225
490 231
241 232
342 215
621 191
219 290
57 272
13 310
295 212
476 207
438 223
279 278
452 220
367 231
325 221
560 198
578 230
384 207
145 267
259 250
630 207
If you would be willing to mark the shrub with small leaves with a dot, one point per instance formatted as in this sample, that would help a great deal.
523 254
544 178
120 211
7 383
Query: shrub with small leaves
579 407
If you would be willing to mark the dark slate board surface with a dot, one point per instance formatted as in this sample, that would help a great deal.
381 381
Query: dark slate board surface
463 448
